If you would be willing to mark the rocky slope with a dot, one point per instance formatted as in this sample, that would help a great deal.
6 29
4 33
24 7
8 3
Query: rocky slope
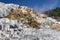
23 23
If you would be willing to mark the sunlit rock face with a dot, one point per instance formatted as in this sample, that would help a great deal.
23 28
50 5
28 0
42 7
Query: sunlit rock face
23 23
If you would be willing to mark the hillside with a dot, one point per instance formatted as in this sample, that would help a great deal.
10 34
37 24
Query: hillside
55 13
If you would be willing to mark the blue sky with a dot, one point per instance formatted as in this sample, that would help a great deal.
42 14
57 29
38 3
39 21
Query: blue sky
36 4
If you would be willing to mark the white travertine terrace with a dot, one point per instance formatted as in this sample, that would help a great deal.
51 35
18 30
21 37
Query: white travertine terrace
16 30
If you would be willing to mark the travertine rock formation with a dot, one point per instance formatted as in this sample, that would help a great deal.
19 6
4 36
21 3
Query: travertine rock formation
24 13
23 23
56 26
